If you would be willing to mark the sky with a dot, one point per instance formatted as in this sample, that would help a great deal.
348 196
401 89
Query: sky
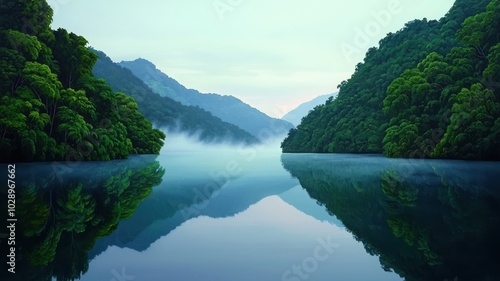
273 55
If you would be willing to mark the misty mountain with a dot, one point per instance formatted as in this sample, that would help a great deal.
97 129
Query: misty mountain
227 108
167 113
295 115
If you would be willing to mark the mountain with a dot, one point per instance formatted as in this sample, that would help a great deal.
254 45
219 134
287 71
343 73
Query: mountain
430 90
227 108
295 115
51 106
167 113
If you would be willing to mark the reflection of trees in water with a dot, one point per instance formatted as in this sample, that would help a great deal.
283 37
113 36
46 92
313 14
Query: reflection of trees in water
401 199
426 220
182 201
60 221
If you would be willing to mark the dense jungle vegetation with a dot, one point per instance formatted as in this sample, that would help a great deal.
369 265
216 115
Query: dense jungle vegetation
430 90
52 107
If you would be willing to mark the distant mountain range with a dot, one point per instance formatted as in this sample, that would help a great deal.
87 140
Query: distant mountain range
228 108
295 116
167 113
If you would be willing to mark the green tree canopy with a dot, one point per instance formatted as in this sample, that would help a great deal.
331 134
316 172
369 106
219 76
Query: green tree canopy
52 107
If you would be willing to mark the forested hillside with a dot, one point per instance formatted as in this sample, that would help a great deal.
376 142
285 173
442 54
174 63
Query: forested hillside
167 113
228 108
429 90
51 106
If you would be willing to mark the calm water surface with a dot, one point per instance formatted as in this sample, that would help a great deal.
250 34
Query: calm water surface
259 215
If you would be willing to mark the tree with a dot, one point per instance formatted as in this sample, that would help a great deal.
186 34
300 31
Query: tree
74 59
480 31
75 209
471 133
44 84
491 73
28 46
72 125
30 17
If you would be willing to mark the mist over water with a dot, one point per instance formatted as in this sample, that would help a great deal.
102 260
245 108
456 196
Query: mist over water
182 142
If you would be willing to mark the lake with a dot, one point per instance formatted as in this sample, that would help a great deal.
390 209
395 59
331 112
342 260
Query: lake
257 214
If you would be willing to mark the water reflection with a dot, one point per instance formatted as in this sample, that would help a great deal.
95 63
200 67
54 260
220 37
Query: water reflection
61 215
425 220
198 185
259 225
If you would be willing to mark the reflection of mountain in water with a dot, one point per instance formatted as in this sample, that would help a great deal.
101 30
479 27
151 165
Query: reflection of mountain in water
63 211
426 220
179 199
300 200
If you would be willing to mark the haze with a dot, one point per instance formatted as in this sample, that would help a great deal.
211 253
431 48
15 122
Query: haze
273 55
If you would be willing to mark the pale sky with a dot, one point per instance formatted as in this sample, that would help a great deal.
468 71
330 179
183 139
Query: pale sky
273 55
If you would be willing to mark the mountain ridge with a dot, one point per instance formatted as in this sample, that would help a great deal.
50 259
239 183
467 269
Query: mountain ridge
295 115
167 113
227 107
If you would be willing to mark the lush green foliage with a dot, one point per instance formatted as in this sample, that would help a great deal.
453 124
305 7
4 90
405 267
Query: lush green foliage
52 107
166 112
425 92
